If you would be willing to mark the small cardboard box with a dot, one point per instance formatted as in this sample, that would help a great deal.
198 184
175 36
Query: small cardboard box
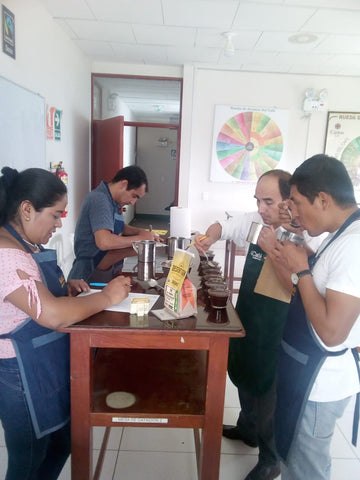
140 306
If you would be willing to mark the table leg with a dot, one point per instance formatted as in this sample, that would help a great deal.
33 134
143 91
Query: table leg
81 388
227 258
214 409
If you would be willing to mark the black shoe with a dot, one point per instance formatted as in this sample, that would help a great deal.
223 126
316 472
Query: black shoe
234 433
263 471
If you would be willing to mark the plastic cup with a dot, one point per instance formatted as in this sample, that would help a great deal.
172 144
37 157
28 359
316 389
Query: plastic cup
218 298
210 256
210 285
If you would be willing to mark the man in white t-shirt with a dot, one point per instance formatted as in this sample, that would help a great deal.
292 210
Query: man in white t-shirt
253 359
318 366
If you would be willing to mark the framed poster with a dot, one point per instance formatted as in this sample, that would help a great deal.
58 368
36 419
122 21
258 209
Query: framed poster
8 29
343 142
247 142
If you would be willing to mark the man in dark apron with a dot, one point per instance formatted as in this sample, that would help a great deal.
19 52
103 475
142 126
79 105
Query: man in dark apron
102 238
318 366
253 359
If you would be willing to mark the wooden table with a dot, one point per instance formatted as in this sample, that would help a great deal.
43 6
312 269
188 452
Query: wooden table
175 369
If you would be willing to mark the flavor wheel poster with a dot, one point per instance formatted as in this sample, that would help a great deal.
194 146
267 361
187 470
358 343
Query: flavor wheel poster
247 142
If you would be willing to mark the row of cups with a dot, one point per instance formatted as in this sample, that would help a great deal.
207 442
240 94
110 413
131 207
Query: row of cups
213 283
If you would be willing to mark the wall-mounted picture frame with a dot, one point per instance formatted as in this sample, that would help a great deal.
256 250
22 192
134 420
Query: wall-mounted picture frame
247 141
8 30
342 141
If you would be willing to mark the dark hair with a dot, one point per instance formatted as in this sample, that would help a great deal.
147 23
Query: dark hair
322 173
40 187
135 176
283 178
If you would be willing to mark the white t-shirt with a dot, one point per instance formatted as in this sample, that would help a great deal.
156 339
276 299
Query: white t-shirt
338 268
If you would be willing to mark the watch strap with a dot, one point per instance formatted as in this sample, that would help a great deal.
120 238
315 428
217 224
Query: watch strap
303 273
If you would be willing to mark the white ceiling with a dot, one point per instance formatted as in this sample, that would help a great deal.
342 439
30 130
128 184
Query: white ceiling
178 32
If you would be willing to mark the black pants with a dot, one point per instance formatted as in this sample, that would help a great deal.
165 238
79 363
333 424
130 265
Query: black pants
256 420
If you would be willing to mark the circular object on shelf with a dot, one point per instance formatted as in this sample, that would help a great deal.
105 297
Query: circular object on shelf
120 399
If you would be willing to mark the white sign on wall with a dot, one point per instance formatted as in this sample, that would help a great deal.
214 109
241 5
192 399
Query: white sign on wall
22 127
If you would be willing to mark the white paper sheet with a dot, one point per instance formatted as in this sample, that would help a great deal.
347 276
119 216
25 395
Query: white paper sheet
124 306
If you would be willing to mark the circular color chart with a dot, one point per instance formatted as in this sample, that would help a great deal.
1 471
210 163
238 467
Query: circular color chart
350 157
248 145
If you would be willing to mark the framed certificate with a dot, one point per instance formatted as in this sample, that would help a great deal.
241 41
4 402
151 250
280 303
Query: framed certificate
343 142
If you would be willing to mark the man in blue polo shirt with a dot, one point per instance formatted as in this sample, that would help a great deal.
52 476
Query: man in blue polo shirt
102 238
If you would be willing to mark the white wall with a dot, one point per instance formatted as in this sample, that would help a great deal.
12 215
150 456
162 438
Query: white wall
160 168
134 69
306 134
49 63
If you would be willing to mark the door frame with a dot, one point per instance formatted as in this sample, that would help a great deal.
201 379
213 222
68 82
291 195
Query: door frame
147 124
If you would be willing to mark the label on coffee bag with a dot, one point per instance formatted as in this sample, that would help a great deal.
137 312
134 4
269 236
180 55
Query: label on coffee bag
180 293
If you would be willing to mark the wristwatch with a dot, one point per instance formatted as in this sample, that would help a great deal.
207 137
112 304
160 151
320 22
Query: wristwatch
296 276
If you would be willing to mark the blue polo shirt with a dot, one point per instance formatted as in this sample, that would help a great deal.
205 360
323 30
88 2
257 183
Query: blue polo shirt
99 211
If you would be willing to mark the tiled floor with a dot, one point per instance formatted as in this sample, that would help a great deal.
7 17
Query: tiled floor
163 454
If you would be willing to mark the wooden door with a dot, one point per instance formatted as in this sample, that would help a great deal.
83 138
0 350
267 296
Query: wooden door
107 149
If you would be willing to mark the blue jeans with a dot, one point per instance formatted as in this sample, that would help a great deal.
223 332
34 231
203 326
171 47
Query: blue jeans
310 453
29 458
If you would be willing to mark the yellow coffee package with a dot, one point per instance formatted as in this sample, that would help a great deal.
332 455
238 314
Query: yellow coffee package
179 292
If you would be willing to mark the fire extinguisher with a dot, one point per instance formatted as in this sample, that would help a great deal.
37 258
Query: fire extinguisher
60 172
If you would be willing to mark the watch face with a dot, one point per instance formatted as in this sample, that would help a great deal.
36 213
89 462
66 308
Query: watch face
294 278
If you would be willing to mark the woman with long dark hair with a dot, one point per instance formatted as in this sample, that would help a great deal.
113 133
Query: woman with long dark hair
35 302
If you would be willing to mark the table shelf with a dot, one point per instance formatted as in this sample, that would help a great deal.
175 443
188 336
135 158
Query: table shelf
166 383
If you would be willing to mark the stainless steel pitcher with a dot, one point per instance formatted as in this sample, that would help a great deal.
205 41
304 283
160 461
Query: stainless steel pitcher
145 250
254 232
174 243
145 271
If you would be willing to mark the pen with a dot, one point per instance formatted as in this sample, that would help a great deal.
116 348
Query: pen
193 243
99 284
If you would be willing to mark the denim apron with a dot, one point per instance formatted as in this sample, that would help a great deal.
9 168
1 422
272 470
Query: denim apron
84 266
118 228
43 355
253 359
301 358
